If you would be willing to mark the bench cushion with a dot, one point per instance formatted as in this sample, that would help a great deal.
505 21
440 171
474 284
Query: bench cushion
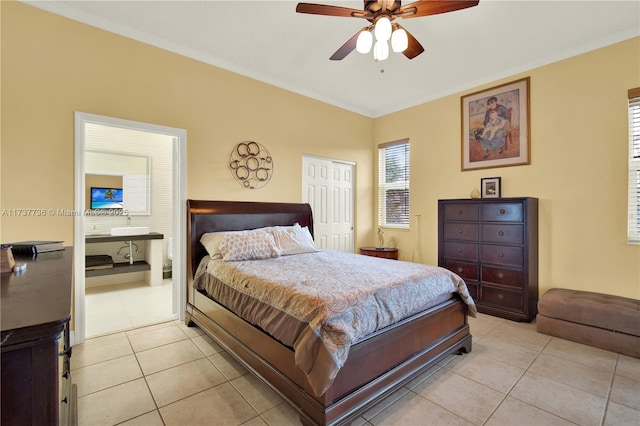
595 319
619 314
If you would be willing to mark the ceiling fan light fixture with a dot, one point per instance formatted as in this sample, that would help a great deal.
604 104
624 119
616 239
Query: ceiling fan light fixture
364 42
399 40
380 50
382 29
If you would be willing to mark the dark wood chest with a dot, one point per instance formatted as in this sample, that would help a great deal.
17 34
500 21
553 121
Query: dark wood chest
493 245
35 345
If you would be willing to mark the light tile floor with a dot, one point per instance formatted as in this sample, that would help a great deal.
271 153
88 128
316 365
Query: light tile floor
117 307
169 374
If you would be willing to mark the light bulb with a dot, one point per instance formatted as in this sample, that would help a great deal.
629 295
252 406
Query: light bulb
399 40
365 41
380 51
383 29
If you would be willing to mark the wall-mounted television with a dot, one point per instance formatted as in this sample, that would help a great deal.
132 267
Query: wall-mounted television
106 198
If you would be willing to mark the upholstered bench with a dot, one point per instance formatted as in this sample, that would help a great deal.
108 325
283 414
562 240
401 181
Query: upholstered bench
601 320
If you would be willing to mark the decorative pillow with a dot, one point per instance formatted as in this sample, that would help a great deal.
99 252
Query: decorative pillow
248 246
293 239
211 241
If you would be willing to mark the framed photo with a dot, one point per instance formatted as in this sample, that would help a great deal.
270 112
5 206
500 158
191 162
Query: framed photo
495 127
491 187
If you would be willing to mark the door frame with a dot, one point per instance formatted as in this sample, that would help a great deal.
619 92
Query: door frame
179 213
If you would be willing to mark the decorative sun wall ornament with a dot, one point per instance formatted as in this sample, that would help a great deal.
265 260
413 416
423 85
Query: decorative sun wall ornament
251 165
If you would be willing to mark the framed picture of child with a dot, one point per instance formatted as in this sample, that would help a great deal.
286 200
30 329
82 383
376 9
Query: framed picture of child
495 127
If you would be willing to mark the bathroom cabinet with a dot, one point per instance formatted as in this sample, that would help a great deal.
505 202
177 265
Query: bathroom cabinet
151 266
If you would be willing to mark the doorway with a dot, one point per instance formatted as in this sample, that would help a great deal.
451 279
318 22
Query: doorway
327 185
130 160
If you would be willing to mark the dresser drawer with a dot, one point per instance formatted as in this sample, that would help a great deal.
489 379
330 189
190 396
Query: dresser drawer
503 276
473 290
467 271
503 233
461 251
503 298
460 211
461 231
502 212
503 255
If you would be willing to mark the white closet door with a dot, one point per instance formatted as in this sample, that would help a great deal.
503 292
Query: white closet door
328 188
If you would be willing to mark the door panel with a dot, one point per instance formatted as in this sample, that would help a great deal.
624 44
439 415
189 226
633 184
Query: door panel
328 188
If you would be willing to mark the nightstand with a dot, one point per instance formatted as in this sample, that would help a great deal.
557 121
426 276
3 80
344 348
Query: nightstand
384 252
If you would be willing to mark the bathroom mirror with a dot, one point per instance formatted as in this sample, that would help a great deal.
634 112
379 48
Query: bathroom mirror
103 168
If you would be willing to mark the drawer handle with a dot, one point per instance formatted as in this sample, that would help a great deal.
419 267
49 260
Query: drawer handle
502 211
459 250
460 211
501 233
459 231
460 270
500 296
501 254
500 275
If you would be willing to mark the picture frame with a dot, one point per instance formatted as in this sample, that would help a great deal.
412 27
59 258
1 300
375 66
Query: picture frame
491 187
496 127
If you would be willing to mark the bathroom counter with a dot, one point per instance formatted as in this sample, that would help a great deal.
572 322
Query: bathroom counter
107 238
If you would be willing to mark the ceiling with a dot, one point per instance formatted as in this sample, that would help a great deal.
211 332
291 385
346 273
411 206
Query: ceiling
270 42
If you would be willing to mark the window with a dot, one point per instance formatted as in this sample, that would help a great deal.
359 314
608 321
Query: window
393 184
634 166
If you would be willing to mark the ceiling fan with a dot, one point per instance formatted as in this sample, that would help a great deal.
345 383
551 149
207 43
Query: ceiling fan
380 14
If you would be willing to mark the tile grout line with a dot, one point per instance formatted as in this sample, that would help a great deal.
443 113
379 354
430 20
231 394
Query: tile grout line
507 394
566 384
608 399
144 376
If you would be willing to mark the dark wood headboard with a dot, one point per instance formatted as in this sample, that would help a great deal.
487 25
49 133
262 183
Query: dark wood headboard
214 216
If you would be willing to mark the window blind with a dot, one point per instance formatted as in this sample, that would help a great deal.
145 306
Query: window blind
393 184
634 166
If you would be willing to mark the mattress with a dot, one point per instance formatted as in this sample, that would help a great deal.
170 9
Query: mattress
321 303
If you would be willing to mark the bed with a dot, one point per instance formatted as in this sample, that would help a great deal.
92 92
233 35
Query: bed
376 364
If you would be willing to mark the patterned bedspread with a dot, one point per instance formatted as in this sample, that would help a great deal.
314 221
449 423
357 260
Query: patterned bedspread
322 303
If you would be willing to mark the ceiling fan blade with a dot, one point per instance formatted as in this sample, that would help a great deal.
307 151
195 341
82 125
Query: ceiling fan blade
323 9
434 7
346 48
414 47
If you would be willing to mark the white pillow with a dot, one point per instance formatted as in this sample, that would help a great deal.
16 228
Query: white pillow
248 246
293 239
211 242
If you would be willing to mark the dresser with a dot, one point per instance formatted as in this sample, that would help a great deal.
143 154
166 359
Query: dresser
35 347
493 245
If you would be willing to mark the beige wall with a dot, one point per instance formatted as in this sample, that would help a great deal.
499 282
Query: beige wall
579 149
52 66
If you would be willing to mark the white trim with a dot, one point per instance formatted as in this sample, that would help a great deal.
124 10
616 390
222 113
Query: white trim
179 223
78 333
179 213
